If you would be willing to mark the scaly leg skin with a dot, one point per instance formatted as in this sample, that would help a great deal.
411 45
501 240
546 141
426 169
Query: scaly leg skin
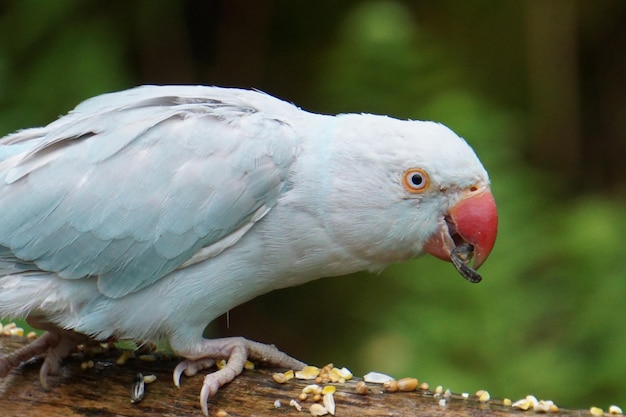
236 350
57 344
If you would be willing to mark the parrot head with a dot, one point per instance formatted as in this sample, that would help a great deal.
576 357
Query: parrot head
426 189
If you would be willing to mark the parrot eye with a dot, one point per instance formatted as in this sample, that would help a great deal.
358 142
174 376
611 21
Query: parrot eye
415 180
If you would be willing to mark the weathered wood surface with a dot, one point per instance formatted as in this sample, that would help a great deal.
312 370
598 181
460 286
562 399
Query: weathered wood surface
104 390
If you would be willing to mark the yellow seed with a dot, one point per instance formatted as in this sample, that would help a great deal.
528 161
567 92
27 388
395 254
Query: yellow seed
220 364
302 396
329 402
149 379
147 358
407 384
439 389
279 377
340 375
615 410
126 355
506 401
308 372
596 411
329 389
523 404
17 331
424 386
31 335
8 328
221 413
361 388
312 389
391 386
544 406
318 410
294 404
249 366
317 398
84 365
484 396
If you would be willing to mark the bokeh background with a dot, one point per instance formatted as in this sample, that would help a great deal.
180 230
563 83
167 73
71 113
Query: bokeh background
538 89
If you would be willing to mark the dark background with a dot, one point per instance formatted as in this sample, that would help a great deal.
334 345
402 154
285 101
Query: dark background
538 89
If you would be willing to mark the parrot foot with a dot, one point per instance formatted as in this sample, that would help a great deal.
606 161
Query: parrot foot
236 350
58 346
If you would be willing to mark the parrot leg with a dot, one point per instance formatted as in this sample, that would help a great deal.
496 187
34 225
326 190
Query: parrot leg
58 345
236 350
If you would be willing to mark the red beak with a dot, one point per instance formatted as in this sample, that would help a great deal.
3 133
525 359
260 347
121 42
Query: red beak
472 220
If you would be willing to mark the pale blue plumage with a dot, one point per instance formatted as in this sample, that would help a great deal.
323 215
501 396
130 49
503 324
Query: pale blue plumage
110 194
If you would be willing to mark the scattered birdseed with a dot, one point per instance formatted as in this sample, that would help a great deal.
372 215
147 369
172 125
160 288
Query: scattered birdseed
86 365
483 396
545 407
340 375
376 378
149 379
147 358
442 402
329 389
308 372
248 366
281 378
465 395
138 389
11 329
407 384
294 404
220 364
312 389
17 331
277 404
439 390
31 336
447 394
615 410
506 401
221 413
126 355
318 410
361 388
596 411
391 386
424 386
329 402
525 403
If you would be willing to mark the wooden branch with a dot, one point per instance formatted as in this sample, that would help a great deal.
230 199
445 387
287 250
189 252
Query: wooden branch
104 390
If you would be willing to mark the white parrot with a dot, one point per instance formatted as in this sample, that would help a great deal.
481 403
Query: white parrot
147 213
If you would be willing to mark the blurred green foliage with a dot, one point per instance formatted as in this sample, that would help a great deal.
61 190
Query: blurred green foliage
548 318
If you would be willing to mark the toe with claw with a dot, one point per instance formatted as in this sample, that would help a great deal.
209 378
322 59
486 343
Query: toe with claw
236 351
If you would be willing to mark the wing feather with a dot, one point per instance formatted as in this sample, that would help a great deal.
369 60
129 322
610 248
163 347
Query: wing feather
130 186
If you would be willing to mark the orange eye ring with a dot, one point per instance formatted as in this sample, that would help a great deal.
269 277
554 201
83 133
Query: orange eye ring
415 180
